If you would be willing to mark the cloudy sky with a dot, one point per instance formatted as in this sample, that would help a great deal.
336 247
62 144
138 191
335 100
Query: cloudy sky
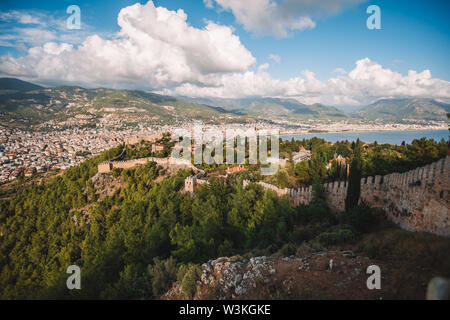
313 51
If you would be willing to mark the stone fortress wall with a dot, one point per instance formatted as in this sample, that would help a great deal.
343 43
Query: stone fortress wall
170 163
417 200
191 182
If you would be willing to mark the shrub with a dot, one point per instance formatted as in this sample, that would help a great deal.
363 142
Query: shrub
304 249
225 248
236 258
163 274
189 282
301 234
182 272
335 237
372 251
116 172
131 285
286 250
361 218
317 212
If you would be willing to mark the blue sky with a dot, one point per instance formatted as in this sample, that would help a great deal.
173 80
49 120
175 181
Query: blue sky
414 36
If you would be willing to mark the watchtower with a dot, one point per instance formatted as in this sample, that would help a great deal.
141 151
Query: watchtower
105 167
189 184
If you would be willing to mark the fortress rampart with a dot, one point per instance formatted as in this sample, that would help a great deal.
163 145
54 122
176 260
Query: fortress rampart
417 200
190 183
168 163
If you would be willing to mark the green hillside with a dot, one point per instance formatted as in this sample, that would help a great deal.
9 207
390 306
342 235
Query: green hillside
23 104
17 85
405 109
66 104
274 108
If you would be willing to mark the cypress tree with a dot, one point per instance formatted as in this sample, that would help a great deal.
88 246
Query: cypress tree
354 179
317 169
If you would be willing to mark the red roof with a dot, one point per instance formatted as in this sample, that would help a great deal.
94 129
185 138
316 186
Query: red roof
235 169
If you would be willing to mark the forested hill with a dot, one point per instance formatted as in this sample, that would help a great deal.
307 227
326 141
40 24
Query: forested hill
119 241
133 236
275 108
24 104
405 109
14 84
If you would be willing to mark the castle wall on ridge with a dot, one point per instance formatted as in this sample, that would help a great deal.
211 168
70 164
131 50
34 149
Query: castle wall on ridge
417 200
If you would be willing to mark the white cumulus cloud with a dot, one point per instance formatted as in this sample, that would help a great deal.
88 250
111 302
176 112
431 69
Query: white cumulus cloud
158 50
156 47
367 82
279 17
275 58
263 67
340 71
20 17
208 3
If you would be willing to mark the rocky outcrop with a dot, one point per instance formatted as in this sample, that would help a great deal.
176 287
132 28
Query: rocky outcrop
307 277
105 185
236 278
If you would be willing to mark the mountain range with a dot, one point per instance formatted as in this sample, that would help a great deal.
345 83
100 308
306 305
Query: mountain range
23 104
404 109
274 108
17 85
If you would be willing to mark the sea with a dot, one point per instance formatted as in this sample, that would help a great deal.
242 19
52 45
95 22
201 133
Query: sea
381 137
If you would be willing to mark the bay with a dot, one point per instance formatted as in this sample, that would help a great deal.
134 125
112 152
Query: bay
391 137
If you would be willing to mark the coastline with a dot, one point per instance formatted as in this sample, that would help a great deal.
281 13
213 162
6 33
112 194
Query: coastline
362 130
393 137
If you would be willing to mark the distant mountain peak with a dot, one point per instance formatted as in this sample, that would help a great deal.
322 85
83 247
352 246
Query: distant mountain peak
405 108
17 85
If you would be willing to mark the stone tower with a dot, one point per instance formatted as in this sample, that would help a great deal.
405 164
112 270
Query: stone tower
189 184
105 167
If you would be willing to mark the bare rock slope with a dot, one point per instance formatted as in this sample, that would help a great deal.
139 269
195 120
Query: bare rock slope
323 275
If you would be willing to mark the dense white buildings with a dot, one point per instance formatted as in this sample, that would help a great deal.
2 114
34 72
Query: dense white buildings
40 151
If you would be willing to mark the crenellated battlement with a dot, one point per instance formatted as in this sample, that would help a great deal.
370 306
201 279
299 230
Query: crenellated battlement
170 163
191 182
417 200
105 167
